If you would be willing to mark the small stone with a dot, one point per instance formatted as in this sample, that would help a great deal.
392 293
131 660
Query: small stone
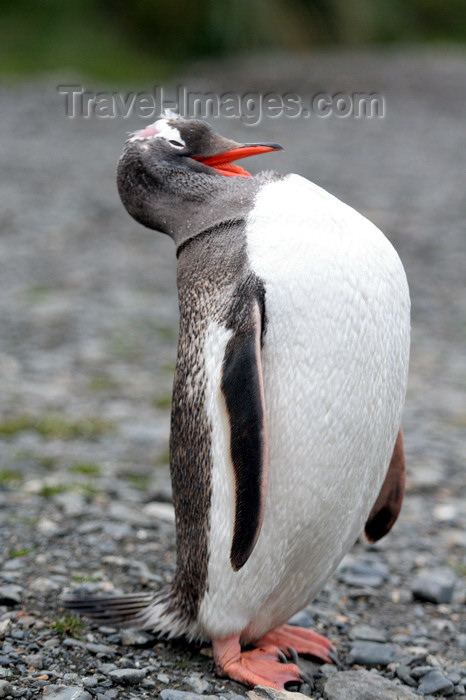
106 668
370 573
260 692
301 619
198 684
61 692
434 682
10 595
372 653
5 627
434 585
132 637
51 643
363 685
455 678
370 634
420 671
169 694
128 675
44 585
90 681
5 688
160 511
163 678
100 649
35 660
404 674
72 642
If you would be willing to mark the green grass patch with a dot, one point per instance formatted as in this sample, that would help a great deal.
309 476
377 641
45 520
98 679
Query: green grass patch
88 489
139 481
86 468
15 553
52 425
85 578
68 626
47 462
10 477
50 490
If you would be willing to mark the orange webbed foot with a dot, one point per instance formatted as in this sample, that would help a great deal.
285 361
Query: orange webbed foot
300 639
261 666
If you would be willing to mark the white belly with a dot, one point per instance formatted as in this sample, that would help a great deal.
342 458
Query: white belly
335 361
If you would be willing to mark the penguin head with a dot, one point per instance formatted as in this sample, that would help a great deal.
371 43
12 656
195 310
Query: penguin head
175 164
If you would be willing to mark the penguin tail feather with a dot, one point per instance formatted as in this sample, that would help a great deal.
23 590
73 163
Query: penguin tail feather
147 611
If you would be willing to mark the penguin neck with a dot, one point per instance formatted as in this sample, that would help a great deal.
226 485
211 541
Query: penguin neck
185 202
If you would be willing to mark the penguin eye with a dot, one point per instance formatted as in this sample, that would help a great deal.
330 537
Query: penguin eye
177 144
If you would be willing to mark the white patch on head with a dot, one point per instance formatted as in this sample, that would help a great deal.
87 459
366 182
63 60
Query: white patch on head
170 114
161 129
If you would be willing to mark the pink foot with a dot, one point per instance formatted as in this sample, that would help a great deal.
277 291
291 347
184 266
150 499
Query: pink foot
257 667
301 639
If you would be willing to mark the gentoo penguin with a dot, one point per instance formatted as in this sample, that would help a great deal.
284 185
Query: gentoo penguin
288 393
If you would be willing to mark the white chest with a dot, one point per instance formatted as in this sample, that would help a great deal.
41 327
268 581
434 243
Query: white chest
335 359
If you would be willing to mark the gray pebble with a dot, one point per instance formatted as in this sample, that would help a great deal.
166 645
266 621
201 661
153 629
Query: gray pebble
367 633
135 637
72 642
5 627
372 653
420 671
128 675
260 692
364 573
198 684
10 595
455 678
301 619
434 682
57 692
106 668
90 681
404 674
169 694
5 688
359 685
71 677
434 585
100 649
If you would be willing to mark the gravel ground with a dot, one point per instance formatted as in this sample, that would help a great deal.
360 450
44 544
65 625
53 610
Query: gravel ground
89 323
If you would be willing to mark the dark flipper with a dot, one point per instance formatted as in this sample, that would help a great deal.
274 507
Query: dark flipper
242 386
388 504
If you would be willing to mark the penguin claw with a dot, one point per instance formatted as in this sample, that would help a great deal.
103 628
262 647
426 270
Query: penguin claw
282 657
293 655
333 656
301 639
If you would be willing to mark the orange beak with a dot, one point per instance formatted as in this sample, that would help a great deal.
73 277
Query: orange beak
222 162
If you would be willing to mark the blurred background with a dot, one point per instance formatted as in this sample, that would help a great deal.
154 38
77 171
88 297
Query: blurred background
123 41
88 305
